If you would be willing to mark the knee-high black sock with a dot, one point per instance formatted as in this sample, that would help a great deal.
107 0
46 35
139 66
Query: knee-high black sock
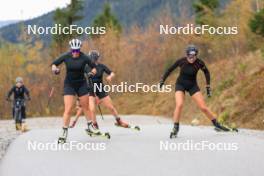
215 123
176 126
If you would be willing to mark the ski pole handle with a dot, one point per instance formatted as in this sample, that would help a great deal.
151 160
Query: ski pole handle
208 91
161 83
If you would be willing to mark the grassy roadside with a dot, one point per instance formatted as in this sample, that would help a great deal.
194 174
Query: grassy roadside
238 95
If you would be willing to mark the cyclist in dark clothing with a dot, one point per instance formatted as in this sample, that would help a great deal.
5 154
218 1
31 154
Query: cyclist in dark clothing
75 84
19 91
100 95
189 67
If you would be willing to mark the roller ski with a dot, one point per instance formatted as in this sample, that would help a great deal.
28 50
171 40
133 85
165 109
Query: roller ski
93 131
122 124
223 128
175 131
62 139
98 134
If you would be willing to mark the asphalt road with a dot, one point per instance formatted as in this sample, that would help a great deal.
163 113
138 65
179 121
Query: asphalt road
150 152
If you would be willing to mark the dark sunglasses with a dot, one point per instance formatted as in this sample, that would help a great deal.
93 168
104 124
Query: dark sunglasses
191 57
75 51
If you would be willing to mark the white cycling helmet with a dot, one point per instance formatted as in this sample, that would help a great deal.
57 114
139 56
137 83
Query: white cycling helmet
75 44
19 80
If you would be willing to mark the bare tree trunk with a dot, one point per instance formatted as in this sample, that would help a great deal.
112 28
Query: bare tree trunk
257 5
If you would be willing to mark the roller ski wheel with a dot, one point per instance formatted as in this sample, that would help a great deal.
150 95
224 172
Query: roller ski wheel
173 135
136 128
98 134
61 140
63 137
235 130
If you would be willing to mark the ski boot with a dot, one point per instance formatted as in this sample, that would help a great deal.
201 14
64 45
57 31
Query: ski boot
121 123
92 128
63 137
175 131
94 131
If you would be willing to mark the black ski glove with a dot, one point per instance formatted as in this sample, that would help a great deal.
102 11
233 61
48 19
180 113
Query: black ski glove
208 91
57 72
90 74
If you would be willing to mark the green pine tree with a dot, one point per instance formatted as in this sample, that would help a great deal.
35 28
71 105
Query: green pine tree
107 19
205 9
67 17
256 24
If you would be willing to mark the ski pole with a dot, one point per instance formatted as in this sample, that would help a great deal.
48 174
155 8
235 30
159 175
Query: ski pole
90 84
156 96
50 96
52 88
74 122
100 112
